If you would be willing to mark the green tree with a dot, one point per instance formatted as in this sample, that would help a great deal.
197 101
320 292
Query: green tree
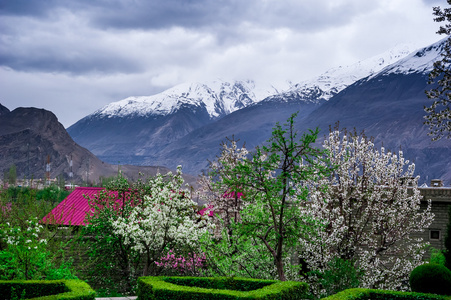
438 116
12 175
271 193
27 255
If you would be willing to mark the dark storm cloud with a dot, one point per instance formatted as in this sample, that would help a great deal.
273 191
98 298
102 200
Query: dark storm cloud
25 7
157 14
71 63
75 36
208 14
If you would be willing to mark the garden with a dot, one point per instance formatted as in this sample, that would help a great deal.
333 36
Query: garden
289 220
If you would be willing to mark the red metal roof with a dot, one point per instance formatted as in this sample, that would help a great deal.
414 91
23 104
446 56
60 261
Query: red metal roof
73 209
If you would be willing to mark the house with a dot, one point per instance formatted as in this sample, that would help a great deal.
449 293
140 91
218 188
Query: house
441 202
73 210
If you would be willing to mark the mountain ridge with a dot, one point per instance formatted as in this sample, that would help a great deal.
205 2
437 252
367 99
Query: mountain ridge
31 136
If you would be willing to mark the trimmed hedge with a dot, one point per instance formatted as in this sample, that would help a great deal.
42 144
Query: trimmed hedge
220 288
431 278
367 294
47 289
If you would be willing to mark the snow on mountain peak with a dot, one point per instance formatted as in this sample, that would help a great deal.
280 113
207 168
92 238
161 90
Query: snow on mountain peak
336 79
419 61
219 98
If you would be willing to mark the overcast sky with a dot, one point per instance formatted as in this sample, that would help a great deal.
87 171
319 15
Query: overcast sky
75 56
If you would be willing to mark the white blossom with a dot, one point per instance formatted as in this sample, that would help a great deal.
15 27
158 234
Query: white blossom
369 207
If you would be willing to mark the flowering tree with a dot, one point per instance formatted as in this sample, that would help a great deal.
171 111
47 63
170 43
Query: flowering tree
109 256
164 218
369 207
269 182
214 187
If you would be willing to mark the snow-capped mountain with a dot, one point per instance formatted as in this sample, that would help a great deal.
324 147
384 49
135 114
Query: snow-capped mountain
383 95
218 97
221 98
419 61
336 79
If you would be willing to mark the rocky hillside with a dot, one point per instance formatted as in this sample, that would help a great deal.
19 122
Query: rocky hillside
28 136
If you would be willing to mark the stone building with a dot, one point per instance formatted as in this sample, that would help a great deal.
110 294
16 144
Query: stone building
441 201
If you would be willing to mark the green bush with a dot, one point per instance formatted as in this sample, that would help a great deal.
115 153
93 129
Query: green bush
46 290
437 257
367 294
340 275
431 278
222 283
221 288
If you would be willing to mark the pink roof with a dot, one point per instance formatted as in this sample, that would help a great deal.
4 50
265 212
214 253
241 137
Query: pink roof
73 209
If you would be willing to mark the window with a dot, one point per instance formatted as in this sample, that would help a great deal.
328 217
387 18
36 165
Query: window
434 235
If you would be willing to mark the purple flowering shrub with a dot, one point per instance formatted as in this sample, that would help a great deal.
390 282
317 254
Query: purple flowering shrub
180 265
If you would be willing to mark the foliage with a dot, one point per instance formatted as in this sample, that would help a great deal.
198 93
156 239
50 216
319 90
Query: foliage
447 243
359 206
161 288
221 283
340 275
12 175
52 194
431 278
47 289
133 225
236 254
109 258
27 256
20 209
364 294
437 257
270 189
439 113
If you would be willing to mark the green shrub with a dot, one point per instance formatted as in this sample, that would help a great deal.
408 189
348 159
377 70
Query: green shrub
431 278
46 290
341 275
222 283
367 294
437 257
215 288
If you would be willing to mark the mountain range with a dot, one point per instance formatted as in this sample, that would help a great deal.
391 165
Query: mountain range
383 95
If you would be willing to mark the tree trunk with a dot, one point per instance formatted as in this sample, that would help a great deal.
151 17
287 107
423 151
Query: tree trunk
280 271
